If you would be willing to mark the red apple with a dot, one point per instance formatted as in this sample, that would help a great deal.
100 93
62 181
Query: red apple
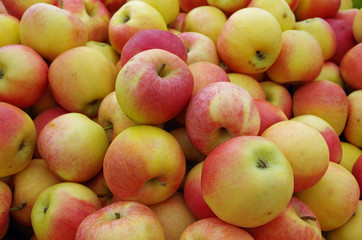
188 5
5 203
357 172
316 8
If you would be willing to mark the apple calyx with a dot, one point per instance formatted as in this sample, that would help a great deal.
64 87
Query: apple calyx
261 164
260 55
45 210
163 184
21 206
118 215
305 218
2 74
160 71
21 146
126 19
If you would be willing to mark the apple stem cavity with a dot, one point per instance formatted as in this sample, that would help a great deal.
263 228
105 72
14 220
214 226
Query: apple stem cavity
118 215
163 184
21 146
21 206
261 164
45 210
108 127
308 218
260 55
161 69
126 19
2 74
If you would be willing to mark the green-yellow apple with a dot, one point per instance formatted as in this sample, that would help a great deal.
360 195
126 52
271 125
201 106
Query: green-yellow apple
28 184
293 4
229 6
357 26
169 9
99 186
207 20
351 229
145 164
280 10
17 8
188 5
80 78
248 83
334 198
213 228
59 210
269 114
154 87
174 215
23 75
246 49
316 8
150 39
350 67
17 139
218 112
193 194
328 133
73 146
323 32
330 71
346 4
121 220
200 48
247 181
300 60
5 203
93 14
296 221
50 30
301 144
350 154
357 171
9 30
131 18
279 96
324 99
112 118
106 49
353 130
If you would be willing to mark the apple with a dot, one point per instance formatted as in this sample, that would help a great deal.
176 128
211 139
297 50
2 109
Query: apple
113 5
301 143
345 4
248 83
207 20
213 228
246 49
353 130
350 67
73 146
324 99
154 87
235 169
316 8
106 49
24 75
179 22
187 5
348 15
174 215
9 30
328 133
218 112
193 194
131 18
5 203
300 60
17 8
17 139
2 8
229 6
59 210
145 164
296 220
334 198
81 78
57 30
279 96
151 39
200 48
357 171
293 4
28 184
99 186
280 10
356 27
331 72
45 102
350 154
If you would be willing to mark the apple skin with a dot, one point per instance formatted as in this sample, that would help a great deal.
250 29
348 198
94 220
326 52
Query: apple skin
350 67
154 87
350 154
200 48
334 198
249 83
187 5
113 5
316 8
238 48
218 112
24 75
353 130
9 30
59 210
3 9
66 158
5 203
356 27
45 102
17 8
28 184
150 39
293 4
174 215
296 222
193 194
328 133
229 6
178 23
121 220
249 163
74 79
131 18
64 30
145 164
331 72
17 139
326 100
300 144
99 186
357 171
213 228
106 49
348 15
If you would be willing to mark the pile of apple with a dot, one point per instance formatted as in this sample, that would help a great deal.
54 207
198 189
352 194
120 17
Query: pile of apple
180 119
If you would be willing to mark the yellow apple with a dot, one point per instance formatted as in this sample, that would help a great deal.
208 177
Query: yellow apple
9 30
350 154
330 71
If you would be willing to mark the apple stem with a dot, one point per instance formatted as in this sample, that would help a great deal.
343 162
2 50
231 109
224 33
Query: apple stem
61 4
23 205
162 68
308 218
163 184
108 127
261 164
